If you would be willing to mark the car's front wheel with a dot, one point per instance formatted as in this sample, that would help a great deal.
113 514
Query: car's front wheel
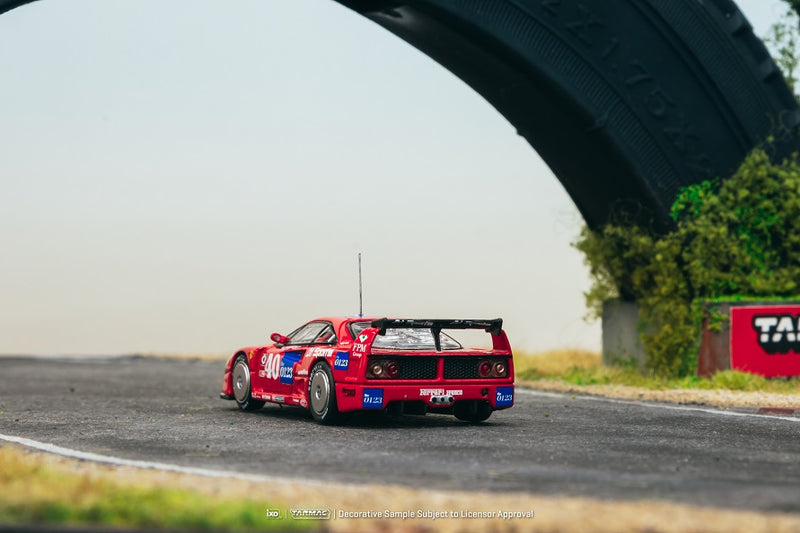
322 395
472 411
240 378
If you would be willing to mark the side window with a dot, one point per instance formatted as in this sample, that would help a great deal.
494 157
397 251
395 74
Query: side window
357 327
326 336
313 333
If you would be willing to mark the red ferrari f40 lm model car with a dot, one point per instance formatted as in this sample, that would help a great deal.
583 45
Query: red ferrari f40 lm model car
334 366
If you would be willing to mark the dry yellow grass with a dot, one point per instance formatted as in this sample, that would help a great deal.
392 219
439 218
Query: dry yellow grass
557 362
40 489
553 514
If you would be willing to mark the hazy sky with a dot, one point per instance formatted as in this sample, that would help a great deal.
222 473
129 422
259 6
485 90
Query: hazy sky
191 175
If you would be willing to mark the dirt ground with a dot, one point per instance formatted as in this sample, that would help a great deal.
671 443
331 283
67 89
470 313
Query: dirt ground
716 398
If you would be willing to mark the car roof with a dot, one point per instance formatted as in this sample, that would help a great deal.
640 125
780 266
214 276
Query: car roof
339 320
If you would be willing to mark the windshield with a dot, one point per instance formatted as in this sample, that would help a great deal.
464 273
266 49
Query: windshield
407 338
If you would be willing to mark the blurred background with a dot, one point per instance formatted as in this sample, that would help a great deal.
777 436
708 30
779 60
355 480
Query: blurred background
189 176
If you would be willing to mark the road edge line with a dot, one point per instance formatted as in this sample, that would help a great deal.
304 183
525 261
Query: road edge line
652 405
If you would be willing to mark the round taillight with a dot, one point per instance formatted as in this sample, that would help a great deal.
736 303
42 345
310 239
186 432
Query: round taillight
500 369
391 369
376 369
484 369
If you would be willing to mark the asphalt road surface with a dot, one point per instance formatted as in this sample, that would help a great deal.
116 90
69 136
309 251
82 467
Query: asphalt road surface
169 411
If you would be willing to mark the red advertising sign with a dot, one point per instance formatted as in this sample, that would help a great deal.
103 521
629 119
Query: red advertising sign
765 340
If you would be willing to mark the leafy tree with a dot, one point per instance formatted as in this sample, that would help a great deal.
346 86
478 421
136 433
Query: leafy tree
731 238
738 237
794 5
782 40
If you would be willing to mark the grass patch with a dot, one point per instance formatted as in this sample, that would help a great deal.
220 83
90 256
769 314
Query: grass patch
582 367
37 493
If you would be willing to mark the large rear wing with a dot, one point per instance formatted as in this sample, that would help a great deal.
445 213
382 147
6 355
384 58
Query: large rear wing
493 326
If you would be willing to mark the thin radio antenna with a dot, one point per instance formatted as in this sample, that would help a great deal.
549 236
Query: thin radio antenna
360 292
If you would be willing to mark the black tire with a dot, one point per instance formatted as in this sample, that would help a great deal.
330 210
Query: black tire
322 395
240 381
626 100
472 411
8 5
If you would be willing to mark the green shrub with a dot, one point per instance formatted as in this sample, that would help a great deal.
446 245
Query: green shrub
733 380
737 237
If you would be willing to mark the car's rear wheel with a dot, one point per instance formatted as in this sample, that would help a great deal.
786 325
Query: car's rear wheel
240 378
322 395
472 411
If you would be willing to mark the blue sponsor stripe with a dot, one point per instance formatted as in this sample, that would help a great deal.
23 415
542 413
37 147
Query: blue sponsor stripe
287 366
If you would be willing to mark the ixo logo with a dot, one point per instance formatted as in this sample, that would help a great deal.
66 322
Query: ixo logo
273 514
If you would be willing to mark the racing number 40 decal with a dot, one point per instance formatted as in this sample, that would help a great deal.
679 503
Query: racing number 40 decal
272 365
280 366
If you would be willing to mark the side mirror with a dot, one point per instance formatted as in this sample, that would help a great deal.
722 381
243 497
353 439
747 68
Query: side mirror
277 338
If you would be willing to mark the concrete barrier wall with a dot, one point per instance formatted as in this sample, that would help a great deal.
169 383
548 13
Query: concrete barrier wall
621 331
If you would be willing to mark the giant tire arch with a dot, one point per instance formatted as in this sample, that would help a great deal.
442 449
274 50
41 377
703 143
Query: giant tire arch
626 100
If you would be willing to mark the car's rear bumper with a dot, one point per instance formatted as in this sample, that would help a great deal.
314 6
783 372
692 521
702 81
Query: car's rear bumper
355 397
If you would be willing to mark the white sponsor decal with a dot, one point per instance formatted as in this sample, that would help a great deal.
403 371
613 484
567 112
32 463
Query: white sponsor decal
440 392
359 348
319 352
301 373
303 402
264 359
363 337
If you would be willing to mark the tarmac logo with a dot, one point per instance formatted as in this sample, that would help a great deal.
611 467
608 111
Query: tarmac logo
778 334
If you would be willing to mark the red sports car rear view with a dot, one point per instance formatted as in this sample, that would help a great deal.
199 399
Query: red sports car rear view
333 366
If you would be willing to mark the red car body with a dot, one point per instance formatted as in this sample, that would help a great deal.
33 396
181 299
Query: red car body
334 366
